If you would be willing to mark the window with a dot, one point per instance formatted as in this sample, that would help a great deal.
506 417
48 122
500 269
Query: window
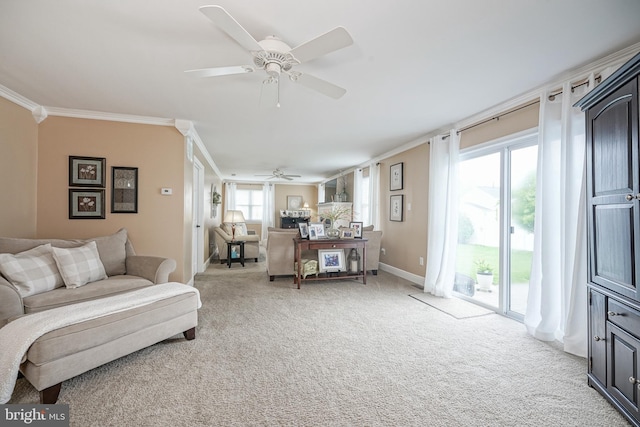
249 201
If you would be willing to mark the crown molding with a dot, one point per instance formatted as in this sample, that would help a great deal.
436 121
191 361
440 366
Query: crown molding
16 98
112 117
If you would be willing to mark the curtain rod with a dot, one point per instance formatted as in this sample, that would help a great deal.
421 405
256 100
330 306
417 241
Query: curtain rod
537 101
597 79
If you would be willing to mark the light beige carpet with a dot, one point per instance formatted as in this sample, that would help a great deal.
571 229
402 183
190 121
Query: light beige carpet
335 354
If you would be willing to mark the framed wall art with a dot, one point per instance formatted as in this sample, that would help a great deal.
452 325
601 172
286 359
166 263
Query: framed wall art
294 202
124 190
86 171
396 176
396 208
86 204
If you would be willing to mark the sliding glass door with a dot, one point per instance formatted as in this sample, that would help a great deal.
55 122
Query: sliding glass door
495 224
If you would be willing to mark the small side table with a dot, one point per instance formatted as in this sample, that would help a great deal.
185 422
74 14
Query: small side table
239 259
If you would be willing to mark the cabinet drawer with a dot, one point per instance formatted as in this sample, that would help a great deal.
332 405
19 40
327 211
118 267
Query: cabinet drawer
624 316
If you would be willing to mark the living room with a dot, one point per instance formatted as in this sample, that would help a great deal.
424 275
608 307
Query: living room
38 137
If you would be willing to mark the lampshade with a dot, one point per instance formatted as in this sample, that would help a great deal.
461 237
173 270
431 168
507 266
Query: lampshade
306 205
233 216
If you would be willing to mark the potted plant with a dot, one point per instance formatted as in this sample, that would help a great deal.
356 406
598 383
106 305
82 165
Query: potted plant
484 275
330 218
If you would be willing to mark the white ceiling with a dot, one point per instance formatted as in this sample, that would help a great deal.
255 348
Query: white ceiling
415 66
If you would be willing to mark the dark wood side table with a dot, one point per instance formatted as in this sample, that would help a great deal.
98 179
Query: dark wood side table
240 259
304 244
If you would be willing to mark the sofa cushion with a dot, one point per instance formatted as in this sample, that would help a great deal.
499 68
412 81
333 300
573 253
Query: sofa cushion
112 249
64 296
32 271
113 252
79 266
97 332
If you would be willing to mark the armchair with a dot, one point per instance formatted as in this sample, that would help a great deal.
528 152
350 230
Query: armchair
223 234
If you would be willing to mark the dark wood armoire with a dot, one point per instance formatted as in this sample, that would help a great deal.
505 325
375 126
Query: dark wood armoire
613 220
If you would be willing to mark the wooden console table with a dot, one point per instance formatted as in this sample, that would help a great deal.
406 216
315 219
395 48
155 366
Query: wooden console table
304 244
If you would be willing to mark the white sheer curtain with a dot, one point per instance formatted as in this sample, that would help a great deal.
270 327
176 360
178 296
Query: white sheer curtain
357 195
229 196
443 214
268 210
557 304
374 194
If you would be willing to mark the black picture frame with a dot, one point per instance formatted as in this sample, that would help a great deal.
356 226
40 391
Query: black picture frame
304 230
357 227
396 208
86 203
87 171
124 189
396 176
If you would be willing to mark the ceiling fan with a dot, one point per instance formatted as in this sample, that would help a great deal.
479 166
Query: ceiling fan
276 57
278 174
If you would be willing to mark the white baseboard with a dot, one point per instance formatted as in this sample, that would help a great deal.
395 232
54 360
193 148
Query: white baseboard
414 278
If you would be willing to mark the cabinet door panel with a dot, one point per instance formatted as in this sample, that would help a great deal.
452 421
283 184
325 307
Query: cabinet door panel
622 351
597 335
614 190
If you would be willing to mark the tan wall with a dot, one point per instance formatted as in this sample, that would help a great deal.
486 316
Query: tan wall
309 195
405 242
18 171
157 151
509 124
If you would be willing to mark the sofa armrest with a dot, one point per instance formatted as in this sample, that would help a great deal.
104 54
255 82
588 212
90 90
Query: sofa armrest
156 269
11 304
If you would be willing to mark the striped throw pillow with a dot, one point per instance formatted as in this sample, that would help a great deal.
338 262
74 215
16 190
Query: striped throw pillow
79 266
31 272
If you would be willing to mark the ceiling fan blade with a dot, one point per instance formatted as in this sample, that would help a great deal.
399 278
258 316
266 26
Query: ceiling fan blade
269 96
323 44
221 71
319 85
292 176
287 177
222 19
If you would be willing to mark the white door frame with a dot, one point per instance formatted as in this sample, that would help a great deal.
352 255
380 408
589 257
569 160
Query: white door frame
197 241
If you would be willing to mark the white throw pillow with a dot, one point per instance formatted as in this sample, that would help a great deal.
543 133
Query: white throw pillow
33 271
241 228
79 266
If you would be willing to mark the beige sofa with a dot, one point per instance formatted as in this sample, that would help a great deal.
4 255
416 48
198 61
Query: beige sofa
280 251
69 351
223 235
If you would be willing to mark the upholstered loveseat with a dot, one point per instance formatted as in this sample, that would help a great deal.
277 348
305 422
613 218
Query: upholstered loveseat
280 251
95 273
223 235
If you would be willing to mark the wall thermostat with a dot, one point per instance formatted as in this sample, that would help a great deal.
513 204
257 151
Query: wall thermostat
166 191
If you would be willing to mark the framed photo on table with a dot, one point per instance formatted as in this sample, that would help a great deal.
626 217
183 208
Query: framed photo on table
330 260
87 171
304 230
396 208
316 231
395 174
357 228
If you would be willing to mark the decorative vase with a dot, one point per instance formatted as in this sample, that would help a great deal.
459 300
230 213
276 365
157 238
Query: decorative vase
333 233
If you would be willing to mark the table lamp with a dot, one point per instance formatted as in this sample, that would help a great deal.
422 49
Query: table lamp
233 217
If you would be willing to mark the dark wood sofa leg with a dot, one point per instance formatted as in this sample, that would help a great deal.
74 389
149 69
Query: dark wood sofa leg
49 395
190 334
375 272
271 278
